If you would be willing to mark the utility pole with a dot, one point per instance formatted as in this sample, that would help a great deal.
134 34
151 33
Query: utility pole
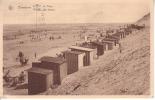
36 8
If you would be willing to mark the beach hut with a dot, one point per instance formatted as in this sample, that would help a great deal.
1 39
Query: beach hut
100 47
90 46
57 64
36 64
39 80
112 40
88 58
108 45
114 37
127 31
124 34
118 35
74 61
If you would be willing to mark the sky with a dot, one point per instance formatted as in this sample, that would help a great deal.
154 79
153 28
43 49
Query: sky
75 11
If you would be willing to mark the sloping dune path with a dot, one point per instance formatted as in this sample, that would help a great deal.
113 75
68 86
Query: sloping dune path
127 73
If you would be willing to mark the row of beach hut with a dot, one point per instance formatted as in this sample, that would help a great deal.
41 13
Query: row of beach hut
50 71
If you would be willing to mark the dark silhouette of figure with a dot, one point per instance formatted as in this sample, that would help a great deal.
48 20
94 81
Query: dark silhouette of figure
22 59
35 55
20 54
120 47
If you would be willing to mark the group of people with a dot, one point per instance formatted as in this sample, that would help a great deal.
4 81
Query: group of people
13 81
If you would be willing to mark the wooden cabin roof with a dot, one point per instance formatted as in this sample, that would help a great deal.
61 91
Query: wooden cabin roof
74 52
81 48
40 71
114 36
110 39
98 43
57 60
104 41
